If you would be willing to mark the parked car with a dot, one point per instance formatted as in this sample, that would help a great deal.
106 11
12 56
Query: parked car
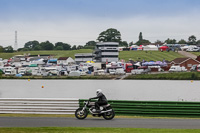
193 68
177 69
193 49
145 69
101 72
120 71
141 70
82 73
75 73
137 71
10 71
27 73
112 71
63 73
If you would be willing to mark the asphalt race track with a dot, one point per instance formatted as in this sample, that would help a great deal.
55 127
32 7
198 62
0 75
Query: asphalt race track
99 122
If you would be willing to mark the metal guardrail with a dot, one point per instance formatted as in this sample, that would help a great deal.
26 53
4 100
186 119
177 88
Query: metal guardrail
154 108
38 105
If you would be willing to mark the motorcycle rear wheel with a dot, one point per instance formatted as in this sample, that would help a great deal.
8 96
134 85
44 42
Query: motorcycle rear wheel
109 115
81 115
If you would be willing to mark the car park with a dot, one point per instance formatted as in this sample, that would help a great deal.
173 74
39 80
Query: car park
177 69
120 71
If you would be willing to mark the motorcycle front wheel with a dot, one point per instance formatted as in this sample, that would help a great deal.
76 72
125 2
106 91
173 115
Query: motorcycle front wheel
81 114
109 115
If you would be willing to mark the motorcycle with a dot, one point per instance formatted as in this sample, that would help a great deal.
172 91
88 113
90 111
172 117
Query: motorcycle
105 110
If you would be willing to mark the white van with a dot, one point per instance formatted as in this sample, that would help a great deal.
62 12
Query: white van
22 71
120 71
10 71
101 72
177 69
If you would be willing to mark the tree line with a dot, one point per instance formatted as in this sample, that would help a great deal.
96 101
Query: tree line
110 35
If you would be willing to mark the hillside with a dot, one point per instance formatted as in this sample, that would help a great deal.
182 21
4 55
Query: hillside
126 55
149 55
61 53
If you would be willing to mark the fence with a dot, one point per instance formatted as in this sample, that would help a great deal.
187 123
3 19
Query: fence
38 105
68 106
154 108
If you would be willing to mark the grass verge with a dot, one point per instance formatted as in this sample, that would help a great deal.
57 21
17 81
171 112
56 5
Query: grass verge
93 130
90 116
168 76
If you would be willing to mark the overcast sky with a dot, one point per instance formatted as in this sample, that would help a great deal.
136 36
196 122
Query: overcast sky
79 21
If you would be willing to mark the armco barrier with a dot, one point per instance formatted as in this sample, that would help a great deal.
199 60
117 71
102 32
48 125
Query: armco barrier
154 108
38 105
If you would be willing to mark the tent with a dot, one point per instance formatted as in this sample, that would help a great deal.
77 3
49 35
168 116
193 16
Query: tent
137 64
89 62
150 48
134 47
140 47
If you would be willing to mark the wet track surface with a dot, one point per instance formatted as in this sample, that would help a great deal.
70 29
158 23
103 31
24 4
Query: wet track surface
99 122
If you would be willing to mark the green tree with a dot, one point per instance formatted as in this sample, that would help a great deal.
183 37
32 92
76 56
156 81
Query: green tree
65 46
140 36
110 35
59 48
198 42
130 44
37 48
90 45
158 41
20 49
74 47
192 40
79 47
31 45
182 41
47 45
170 41
141 40
124 44
8 49
1 49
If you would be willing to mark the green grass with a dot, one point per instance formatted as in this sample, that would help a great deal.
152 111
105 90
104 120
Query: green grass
93 130
168 76
149 56
126 55
58 53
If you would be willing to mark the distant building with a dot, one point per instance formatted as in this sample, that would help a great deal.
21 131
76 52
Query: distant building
106 52
186 62
65 60
83 57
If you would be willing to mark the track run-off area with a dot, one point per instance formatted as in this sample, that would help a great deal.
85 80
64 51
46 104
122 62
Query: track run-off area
157 123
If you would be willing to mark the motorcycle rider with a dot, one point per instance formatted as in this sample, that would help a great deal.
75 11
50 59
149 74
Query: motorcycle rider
101 100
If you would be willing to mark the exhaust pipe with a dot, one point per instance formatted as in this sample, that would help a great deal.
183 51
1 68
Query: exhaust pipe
106 111
100 112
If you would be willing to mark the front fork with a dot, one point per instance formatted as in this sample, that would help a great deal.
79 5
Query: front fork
82 111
